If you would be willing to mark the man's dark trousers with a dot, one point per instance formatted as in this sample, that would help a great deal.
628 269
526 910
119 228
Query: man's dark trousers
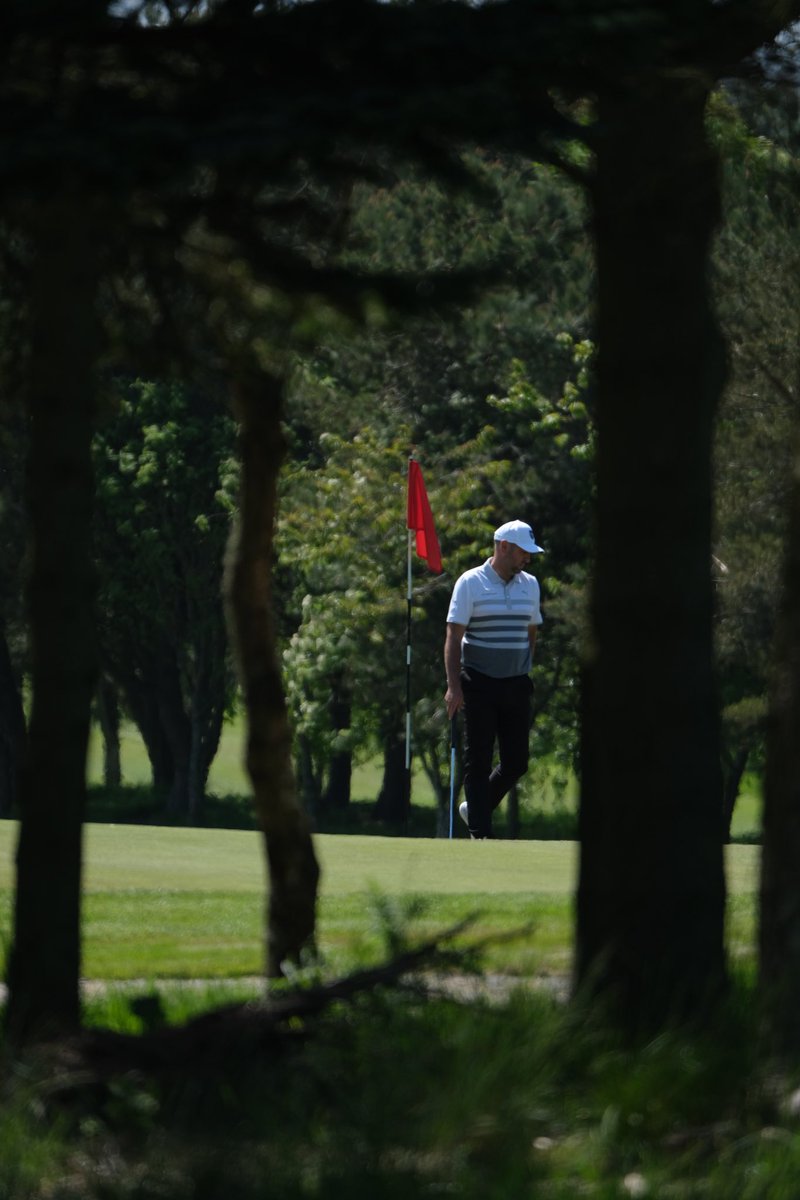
495 710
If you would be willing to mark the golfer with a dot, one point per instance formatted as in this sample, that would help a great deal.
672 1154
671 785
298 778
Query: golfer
492 624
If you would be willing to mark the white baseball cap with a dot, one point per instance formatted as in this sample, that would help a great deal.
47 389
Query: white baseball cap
520 534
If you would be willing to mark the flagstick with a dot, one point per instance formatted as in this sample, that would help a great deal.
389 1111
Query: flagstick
419 521
408 688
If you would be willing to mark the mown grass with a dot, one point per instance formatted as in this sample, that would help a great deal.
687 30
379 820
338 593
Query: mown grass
166 903
186 903
395 1095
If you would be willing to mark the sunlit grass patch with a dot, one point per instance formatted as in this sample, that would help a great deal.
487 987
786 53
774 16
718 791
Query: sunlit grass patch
186 903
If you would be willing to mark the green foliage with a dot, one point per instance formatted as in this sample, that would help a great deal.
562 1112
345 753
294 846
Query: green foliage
165 490
756 288
432 374
341 542
31 1149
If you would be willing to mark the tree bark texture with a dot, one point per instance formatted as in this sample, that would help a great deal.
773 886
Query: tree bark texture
779 927
44 967
292 865
651 895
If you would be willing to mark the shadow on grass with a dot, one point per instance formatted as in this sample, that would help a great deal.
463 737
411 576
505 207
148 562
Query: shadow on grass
142 805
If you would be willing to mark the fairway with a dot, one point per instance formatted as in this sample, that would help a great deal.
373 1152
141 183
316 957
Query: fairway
151 857
162 902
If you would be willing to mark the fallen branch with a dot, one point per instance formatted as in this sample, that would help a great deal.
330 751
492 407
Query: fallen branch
242 1031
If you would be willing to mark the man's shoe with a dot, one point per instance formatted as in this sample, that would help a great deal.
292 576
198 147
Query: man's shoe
463 812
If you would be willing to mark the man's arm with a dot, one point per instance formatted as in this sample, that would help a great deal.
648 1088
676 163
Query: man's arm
532 632
454 697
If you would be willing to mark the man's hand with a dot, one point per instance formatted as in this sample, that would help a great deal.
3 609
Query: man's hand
454 700
454 697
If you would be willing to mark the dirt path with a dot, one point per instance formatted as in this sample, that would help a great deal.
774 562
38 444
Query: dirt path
492 987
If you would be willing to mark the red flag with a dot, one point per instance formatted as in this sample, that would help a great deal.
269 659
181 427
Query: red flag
420 518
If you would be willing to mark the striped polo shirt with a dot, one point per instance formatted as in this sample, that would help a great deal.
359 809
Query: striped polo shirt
496 615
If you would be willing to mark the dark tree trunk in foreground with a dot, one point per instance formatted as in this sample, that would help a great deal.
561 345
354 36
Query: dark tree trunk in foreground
651 896
44 966
292 865
779 932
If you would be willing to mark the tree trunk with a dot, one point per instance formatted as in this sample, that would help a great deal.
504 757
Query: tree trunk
292 865
390 804
309 777
174 721
337 793
198 770
141 696
12 732
206 713
651 897
44 966
210 687
205 731
108 715
779 928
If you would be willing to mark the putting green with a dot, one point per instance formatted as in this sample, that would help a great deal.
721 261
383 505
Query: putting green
148 857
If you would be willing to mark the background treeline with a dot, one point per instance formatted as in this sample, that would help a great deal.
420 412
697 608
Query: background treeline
494 393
